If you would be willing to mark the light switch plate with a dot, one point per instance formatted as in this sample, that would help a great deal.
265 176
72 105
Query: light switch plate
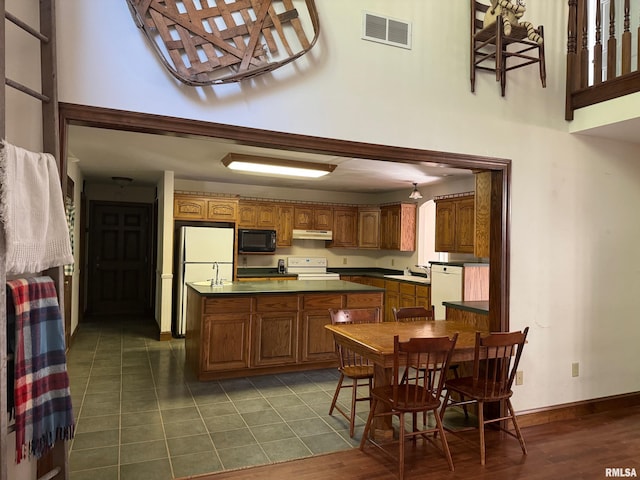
575 369
519 377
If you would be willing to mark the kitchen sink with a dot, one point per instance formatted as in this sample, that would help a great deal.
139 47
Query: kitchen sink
409 278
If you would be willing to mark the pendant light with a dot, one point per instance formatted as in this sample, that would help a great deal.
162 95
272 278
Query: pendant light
415 194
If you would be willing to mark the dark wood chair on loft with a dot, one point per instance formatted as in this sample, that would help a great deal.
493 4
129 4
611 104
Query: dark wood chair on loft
417 314
408 394
351 365
490 44
495 364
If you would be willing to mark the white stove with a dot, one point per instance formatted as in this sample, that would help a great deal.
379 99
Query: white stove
310 268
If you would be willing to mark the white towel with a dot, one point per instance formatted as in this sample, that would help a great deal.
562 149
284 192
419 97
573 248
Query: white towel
32 211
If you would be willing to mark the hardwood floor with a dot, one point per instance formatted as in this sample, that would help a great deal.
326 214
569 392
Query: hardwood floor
577 449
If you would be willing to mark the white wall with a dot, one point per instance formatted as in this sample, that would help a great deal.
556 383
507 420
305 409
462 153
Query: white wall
574 267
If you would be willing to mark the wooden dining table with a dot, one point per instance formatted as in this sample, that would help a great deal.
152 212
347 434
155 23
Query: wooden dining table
374 341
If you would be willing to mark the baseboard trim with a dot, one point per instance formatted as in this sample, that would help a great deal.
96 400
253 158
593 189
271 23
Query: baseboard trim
568 411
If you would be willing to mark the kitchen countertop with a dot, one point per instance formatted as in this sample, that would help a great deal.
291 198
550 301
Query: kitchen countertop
283 286
476 306
461 264
272 273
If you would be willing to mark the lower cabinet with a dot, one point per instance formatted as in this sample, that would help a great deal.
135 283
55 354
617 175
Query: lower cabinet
228 321
275 330
404 294
232 351
238 336
317 341
275 339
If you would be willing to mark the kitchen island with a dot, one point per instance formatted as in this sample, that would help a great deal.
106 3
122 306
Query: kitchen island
474 313
253 328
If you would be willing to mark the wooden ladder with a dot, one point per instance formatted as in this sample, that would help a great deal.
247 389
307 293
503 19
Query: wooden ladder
55 464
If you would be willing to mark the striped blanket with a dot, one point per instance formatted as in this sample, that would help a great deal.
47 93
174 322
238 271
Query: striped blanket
42 400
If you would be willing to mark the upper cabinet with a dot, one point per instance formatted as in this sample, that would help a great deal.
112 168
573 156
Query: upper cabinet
398 227
195 207
312 217
369 227
455 229
256 215
345 227
390 227
284 225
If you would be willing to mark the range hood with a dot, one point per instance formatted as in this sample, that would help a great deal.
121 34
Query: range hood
312 234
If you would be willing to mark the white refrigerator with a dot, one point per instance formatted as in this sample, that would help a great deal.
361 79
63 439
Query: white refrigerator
200 249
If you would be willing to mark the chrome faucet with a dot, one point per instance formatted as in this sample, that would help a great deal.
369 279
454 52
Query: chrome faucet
426 268
216 267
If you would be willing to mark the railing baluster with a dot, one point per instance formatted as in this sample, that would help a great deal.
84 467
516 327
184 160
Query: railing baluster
571 58
626 41
612 43
619 80
597 48
583 22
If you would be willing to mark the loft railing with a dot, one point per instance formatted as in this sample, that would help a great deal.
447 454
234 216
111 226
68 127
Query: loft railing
602 53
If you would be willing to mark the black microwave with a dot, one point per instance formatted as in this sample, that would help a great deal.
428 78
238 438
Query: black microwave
256 241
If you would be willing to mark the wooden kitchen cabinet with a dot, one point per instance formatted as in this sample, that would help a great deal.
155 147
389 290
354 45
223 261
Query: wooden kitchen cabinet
217 336
423 296
345 227
188 207
455 218
407 294
251 335
275 336
369 227
256 215
317 341
398 227
391 299
284 225
222 210
312 217
400 294
232 352
194 207
481 246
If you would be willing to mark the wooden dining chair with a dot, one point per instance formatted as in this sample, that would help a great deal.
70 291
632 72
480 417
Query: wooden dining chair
421 313
411 395
495 364
413 314
351 365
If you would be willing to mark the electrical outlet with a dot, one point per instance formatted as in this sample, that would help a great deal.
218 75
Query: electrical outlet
575 369
393 262
344 260
519 377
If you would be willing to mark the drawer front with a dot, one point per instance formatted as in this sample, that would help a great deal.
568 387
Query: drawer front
422 291
392 285
214 306
277 303
364 300
321 302
407 289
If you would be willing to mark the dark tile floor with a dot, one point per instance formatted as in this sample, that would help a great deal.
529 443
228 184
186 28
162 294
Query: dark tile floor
140 415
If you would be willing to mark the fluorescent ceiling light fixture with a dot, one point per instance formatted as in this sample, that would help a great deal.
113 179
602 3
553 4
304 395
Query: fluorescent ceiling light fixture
276 166
415 194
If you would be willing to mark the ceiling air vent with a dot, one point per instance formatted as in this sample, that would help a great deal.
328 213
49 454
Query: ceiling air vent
389 31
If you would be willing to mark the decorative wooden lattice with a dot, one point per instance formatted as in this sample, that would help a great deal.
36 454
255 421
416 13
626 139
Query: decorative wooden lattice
204 42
